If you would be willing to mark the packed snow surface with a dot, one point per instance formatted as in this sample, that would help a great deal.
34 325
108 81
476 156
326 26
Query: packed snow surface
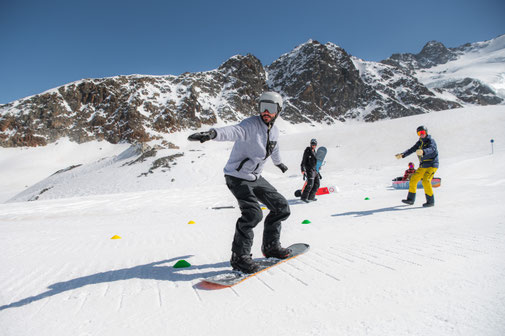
375 266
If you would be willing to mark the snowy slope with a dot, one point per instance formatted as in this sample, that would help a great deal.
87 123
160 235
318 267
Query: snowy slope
20 168
376 267
484 61
202 164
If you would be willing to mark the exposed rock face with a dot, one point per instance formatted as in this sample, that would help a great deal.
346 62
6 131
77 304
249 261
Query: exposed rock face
433 53
320 83
134 108
324 83
472 91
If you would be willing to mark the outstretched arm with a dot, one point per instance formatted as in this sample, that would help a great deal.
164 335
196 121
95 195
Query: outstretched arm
230 133
203 136
412 149
227 133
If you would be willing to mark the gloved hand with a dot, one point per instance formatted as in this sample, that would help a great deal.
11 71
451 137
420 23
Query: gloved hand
419 152
399 156
320 177
282 167
203 136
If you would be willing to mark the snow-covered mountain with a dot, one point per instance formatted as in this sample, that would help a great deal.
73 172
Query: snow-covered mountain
134 108
322 83
473 73
78 171
375 267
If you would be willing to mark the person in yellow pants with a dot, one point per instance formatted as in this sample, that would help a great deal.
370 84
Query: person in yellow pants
425 174
426 150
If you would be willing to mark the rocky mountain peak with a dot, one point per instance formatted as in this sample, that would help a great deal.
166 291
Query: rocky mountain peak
319 82
240 64
454 80
309 77
434 53
312 52
433 48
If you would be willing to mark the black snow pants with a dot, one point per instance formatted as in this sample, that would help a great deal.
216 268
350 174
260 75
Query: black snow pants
309 192
248 194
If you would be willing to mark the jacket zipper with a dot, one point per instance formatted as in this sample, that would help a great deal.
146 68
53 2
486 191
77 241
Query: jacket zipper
267 154
242 163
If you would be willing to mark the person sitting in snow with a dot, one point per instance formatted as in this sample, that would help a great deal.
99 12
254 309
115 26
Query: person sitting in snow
426 150
409 172
256 138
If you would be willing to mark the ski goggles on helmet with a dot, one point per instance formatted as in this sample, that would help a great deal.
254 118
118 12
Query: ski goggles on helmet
423 132
271 108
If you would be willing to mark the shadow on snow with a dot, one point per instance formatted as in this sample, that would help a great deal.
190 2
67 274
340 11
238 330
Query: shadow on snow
152 271
371 212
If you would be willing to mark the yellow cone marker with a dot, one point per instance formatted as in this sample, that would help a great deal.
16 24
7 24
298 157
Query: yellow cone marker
191 222
116 237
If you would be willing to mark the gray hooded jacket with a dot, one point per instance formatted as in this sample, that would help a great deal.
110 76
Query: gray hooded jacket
254 143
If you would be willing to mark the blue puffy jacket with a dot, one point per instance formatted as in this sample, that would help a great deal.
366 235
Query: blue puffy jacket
430 157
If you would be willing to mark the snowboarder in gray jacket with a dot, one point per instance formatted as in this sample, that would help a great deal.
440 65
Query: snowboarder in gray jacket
256 139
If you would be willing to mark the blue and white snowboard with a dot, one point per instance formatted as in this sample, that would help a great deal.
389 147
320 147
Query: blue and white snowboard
320 155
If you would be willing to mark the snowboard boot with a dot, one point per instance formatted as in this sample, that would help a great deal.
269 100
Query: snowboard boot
304 200
275 250
312 199
430 201
411 198
244 263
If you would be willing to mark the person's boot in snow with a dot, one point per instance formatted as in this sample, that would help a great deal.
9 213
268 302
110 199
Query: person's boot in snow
304 200
244 263
411 198
430 201
275 250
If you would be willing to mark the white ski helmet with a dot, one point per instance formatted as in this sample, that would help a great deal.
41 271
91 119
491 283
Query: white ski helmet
271 97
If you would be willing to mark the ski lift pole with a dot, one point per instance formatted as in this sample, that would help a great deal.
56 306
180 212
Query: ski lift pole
492 147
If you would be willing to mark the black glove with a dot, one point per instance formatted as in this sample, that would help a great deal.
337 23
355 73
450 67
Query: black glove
282 167
320 177
203 136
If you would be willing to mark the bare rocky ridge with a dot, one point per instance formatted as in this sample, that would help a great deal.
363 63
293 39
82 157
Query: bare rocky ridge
320 82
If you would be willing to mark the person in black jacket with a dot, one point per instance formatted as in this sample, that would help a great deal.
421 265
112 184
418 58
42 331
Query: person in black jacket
426 150
308 167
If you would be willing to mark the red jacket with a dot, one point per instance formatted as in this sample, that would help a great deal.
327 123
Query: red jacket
408 173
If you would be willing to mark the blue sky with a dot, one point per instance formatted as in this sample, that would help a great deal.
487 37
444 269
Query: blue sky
45 44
